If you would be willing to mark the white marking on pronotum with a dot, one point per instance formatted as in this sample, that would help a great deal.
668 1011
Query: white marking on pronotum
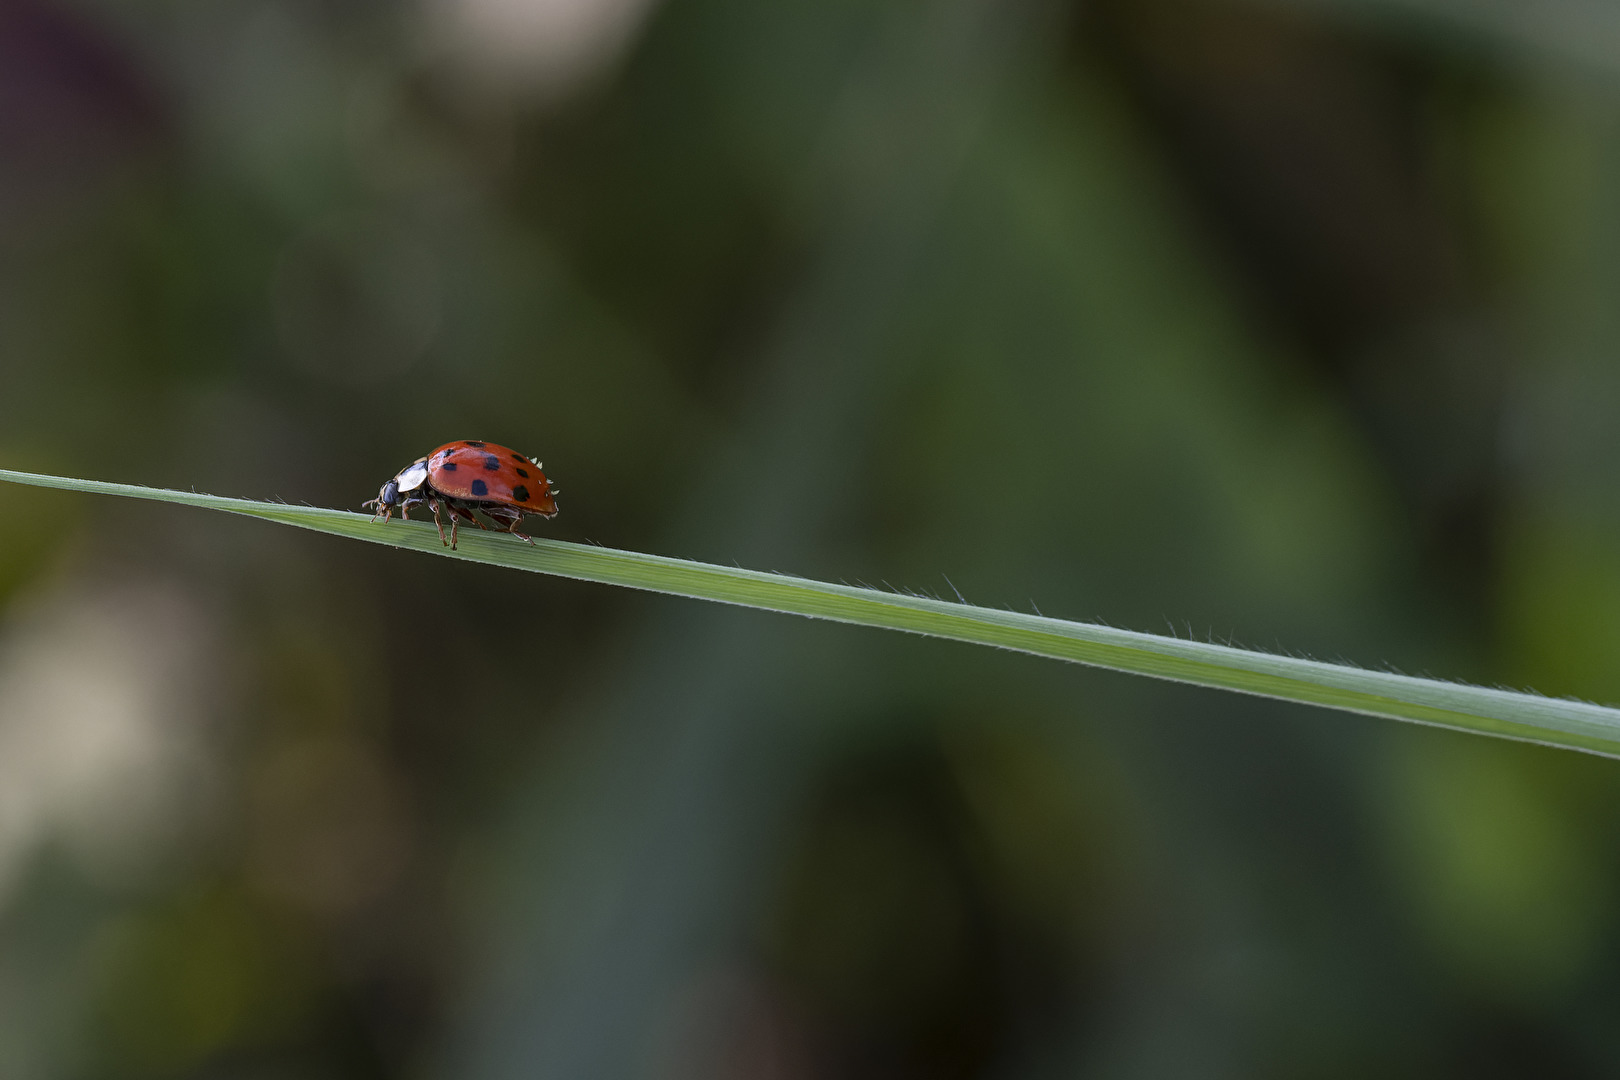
413 477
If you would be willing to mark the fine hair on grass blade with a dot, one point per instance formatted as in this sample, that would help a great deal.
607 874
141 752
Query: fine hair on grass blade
1481 710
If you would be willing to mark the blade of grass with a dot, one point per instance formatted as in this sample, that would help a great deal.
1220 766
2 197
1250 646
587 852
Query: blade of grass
1528 717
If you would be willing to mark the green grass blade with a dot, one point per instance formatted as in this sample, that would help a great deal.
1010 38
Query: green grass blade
1554 722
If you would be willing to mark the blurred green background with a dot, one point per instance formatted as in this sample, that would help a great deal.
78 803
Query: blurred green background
1289 323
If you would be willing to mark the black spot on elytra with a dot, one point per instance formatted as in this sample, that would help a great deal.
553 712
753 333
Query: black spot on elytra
448 466
491 463
520 459
520 494
480 488
477 444
523 473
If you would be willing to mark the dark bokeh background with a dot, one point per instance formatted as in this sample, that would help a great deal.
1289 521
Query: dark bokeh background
1289 323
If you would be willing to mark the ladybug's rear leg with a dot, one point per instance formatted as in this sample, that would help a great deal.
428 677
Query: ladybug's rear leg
504 515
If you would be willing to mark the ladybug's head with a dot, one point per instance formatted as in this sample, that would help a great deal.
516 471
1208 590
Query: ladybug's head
403 491
386 502
388 498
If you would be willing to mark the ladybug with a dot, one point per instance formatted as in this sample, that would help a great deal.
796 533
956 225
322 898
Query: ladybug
464 477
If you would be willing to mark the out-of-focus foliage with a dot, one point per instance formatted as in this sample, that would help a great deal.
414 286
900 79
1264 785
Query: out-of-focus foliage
1293 324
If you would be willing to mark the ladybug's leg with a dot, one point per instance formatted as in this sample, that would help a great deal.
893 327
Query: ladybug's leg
457 512
510 518
434 504
517 519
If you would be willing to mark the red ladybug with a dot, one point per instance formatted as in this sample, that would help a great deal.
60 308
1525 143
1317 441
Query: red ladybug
463 477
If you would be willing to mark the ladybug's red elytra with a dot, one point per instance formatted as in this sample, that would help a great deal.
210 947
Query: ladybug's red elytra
464 477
